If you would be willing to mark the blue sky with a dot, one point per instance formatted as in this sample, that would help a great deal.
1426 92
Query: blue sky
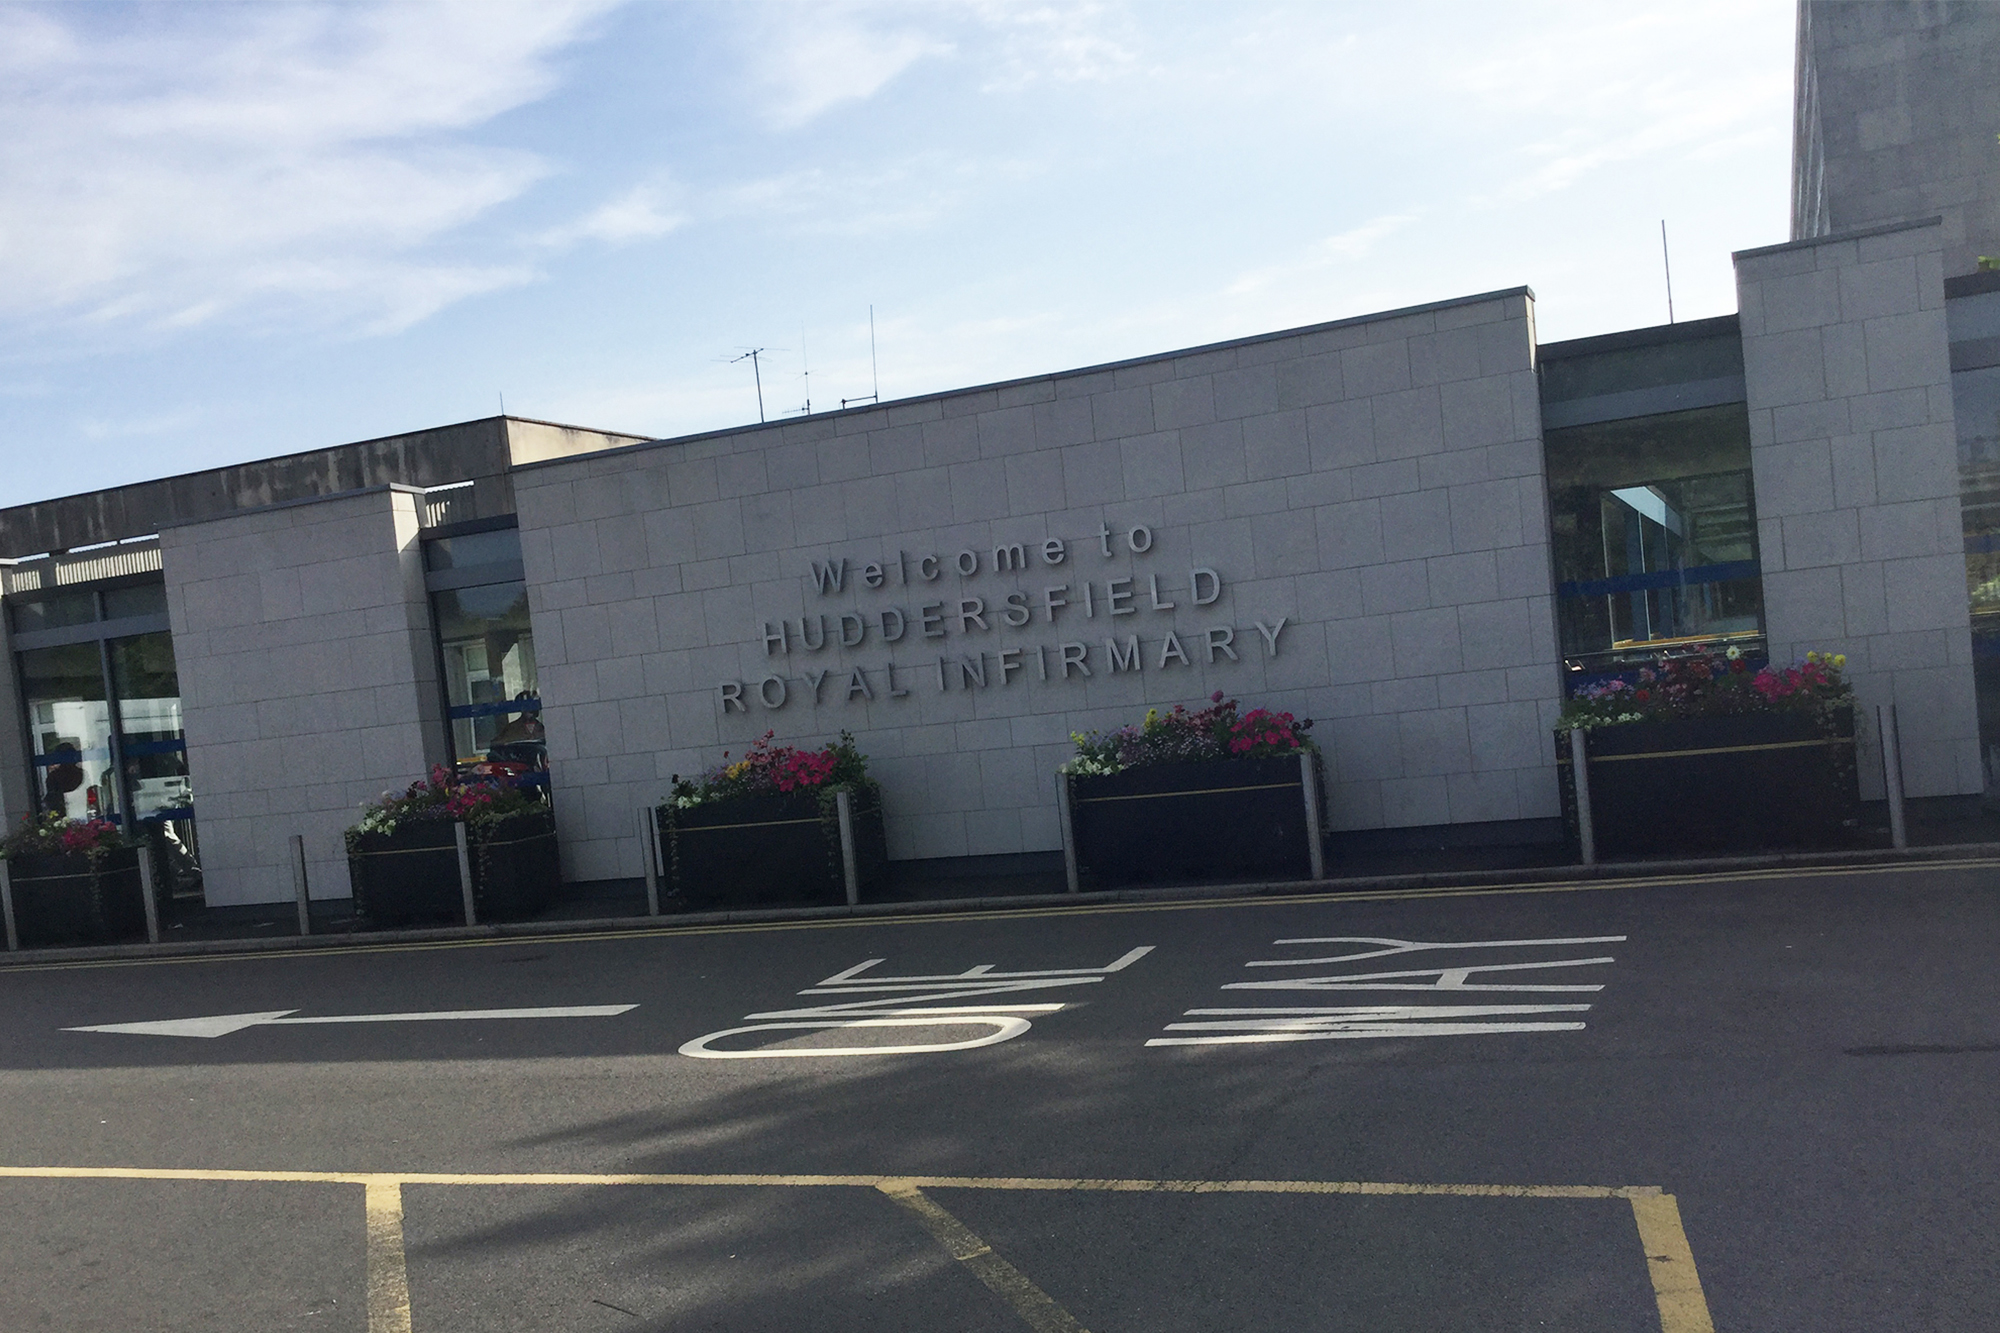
233 231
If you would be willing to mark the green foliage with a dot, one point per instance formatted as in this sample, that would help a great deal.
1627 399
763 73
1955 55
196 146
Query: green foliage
1711 684
766 768
1216 732
444 797
54 835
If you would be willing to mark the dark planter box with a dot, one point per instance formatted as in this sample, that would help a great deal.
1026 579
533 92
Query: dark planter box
1223 819
1756 782
767 850
412 874
70 898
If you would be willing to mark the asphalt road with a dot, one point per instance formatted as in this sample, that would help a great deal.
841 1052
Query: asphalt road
1807 1065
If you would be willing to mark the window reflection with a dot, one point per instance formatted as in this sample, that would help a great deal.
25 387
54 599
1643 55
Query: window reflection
69 731
491 685
1655 538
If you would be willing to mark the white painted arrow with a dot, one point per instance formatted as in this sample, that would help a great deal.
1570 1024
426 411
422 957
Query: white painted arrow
221 1025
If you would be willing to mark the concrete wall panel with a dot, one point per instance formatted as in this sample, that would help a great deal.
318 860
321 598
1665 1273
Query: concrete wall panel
298 709
1376 484
1857 484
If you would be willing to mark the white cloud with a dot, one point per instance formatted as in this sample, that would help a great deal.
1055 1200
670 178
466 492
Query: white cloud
641 213
807 58
1340 248
175 165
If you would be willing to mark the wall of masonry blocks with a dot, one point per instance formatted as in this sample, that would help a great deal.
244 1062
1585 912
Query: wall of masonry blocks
1854 456
1367 497
308 681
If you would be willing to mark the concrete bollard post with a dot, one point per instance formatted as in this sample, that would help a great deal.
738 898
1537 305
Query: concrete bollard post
465 872
1066 816
146 892
301 891
7 906
649 854
1892 774
1309 780
1579 767
850 869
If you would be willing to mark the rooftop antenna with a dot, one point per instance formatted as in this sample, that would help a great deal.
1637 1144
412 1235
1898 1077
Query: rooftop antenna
751 356
1667 260
503 402
874 372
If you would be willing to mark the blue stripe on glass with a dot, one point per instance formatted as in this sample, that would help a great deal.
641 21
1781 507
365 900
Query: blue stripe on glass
54 757
1984 542
494 710
135 748
1728 572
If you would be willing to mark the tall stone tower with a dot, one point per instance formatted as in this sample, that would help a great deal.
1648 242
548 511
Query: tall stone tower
1897 117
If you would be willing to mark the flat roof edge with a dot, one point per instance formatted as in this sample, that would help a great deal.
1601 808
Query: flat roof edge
1686 330
1050 376
296 502
1836 237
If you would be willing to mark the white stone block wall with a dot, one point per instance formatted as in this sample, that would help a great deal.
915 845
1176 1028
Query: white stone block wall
1855 461
1377 483
308 679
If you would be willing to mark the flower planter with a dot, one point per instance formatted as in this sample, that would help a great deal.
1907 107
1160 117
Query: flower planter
75 898
1216 819
1750 782
770 848
411 873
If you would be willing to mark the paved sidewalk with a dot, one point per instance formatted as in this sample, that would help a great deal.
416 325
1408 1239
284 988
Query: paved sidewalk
573 919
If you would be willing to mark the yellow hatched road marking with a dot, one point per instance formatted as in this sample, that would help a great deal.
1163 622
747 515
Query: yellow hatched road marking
1669 1258
1025 913
388 1272
1670 1263
1035 1306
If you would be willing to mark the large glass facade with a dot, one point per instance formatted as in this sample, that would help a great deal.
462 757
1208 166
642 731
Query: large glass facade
1975 390
486 647
103 713
1654 528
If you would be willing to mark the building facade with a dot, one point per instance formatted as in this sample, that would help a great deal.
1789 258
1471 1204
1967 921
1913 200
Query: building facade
1420 528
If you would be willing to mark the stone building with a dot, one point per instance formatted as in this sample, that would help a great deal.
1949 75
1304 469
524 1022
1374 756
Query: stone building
1419 527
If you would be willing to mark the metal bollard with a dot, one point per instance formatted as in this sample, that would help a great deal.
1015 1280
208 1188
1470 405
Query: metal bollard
850 870
464 872
146 892
649 854
301 891
1066 815
1309 779
1579 767
1892 774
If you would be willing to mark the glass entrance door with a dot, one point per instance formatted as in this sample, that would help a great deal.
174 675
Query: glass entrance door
69 732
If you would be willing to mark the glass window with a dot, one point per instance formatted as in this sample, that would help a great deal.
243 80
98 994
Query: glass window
473 549
1976 403
153 748
69 730
1655 537
136 599
490 679
152 743
54 610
